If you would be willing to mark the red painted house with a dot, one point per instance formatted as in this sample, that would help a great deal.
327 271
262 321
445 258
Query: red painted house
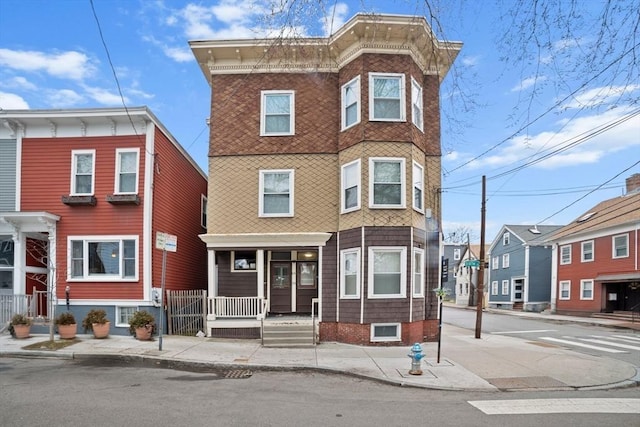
84 193
596 258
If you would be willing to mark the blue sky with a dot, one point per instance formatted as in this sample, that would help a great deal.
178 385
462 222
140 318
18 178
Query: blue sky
543 156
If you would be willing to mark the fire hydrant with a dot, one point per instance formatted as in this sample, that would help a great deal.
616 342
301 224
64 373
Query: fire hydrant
416 356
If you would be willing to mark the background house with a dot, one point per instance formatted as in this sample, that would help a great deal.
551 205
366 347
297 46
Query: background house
467 276
330 151
83 194
520 267
452 253
596 257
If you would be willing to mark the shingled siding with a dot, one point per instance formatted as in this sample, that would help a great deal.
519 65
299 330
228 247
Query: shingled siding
330 279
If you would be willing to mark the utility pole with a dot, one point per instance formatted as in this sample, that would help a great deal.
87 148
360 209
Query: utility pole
480 303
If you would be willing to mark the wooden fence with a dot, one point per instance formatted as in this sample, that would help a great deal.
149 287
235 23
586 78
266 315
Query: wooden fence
186 312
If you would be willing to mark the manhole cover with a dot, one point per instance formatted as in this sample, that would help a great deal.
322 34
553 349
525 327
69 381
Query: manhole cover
238 373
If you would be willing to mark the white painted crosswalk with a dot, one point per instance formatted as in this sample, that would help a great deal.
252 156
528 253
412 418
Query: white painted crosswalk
605 344
558 406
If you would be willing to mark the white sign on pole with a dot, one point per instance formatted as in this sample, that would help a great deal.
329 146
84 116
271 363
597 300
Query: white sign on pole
166 242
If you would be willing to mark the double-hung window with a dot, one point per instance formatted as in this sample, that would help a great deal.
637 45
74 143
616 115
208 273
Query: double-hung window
350 183
565 289
83 168
127 171
586 289
203 211
620 246
103 258
386 183
351 103
418 272
505 287
277 116
505 238
386 97
495 263
350 273
494 287
276 193
7 248
387 272
416 104
565 255
587 251
505 260
418 189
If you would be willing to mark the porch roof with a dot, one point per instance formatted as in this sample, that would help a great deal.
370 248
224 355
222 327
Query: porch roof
27 221
256 240
620 277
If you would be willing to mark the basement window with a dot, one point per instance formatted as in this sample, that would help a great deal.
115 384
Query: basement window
385 332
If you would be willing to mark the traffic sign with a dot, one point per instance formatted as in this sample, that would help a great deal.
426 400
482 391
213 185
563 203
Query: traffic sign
166 242
472 263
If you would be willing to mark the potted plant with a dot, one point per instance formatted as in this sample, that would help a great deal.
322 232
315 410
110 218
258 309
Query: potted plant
96 321
142 325
20 326
67 326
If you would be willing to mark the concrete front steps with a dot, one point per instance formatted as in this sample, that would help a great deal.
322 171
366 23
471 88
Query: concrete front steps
288 334
625 316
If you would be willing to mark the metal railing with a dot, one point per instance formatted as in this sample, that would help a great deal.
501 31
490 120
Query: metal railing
237 307
635 312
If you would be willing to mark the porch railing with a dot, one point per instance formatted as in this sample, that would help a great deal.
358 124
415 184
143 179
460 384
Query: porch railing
237 307
32 306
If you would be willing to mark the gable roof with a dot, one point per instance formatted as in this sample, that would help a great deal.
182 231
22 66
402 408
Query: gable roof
610 213
527 234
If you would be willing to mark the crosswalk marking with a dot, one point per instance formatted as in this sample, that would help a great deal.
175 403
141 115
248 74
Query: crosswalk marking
627 338
579 344
558 406
524 332
612 344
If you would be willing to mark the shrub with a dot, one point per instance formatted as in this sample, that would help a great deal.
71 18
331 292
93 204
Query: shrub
142 319
95 315
65 318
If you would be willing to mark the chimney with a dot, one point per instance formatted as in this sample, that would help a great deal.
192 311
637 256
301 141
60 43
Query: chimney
633 183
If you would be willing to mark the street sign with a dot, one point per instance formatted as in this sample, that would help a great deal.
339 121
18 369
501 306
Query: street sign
166 242
445 270
472 263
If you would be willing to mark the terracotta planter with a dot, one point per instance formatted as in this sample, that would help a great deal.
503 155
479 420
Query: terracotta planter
21 331
100 330
144 333
67 332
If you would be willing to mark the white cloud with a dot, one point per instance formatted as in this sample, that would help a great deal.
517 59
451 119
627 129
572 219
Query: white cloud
105 97
65 65
178 54
527 83
11 101
335 19
64 98
18 82
599 96
470 61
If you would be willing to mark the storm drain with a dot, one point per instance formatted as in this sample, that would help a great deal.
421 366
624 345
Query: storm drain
238 374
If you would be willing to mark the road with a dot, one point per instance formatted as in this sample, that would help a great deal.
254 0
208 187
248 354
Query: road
618 343
46 392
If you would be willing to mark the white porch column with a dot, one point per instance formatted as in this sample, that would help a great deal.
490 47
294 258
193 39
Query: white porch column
19 261
320 284
212 277
260 272
554 276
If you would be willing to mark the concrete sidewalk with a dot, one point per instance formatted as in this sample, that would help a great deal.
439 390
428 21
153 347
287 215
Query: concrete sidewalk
491 363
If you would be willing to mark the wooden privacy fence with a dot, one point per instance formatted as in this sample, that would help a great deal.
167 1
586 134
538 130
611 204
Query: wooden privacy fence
186 312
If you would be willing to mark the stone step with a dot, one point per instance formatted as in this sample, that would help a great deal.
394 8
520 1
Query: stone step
287 335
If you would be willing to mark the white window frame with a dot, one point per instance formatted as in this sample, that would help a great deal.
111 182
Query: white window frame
244 270
614 246
343 182
494 287
203 211
583 252
261 211
505 260
395 338
505 287
402 112
495 262
120 151
565 255
263 112
456 254
372 164
417 109
402 250
564 285
86 276
74 164
506 237
418 186
120 314
418 272
353 84
583 288
343 277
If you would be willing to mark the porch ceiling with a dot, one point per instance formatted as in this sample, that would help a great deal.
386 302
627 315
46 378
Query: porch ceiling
621 277
255 240
27 221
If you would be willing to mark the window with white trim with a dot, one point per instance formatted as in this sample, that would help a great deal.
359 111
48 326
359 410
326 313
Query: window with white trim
418 178
350 273
494 287
416 104
418 272
381 332
124 314
127 170
495 263
386 183
386 97
586 289
276 193
351 103
620 245
587 251
277 113
565 290
243 261
203 211
506 237
505 260
350 184
456 254
565 255
387 272
505 287
103 258
83 172
7 249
